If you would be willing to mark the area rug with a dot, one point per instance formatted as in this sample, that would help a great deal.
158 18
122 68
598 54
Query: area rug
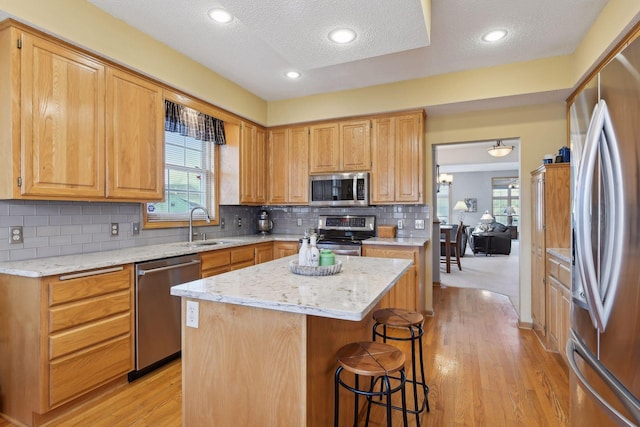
495 273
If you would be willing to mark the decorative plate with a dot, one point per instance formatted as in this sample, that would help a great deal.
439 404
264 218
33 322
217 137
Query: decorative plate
308 270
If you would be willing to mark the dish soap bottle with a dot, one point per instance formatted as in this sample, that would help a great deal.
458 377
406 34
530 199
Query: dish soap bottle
303 253
314 253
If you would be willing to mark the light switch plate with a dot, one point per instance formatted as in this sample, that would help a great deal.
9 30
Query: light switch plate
135 228
400 224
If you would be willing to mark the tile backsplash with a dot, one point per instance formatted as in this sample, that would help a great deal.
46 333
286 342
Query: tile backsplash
53 228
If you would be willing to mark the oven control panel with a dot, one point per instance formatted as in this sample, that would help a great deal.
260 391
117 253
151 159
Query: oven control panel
347 222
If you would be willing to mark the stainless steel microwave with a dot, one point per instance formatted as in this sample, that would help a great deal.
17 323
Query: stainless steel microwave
340 189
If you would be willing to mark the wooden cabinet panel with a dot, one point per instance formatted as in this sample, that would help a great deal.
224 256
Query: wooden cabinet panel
70 377
559 303
62 121
94 284
355 146
383 153
70 315
409 159
283 249
65 342
253 160
242 254
324 148
278 167
405 293
264 252
135 137
298 166
397 171
214 259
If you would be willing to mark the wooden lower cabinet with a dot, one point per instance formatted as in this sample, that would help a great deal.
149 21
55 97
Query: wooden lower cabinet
66 336
406 292
223 260
263 252
283 249
558 303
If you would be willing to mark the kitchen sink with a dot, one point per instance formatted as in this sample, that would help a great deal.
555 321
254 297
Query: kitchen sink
207 242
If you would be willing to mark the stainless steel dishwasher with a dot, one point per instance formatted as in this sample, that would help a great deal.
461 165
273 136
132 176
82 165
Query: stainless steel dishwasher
158 336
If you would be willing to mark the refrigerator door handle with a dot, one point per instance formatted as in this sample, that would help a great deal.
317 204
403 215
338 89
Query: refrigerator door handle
574 345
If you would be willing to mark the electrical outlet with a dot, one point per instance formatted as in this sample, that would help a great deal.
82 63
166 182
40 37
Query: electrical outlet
419 224
221 223
15 234
193 309
239 222
400 224
115 228
299 222
135 228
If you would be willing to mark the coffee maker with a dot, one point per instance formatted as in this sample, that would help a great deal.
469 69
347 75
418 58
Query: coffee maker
265 225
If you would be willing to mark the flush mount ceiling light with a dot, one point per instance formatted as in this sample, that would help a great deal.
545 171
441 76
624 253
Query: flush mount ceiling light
494 36
220 15
500 150
342 35
293 75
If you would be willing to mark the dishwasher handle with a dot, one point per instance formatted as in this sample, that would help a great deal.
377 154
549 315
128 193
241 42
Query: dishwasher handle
168 267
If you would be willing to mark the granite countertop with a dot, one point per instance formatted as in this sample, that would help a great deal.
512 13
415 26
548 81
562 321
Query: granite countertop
42 267
348 295
562 253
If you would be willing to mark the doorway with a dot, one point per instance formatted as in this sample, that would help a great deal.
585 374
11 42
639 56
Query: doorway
470 183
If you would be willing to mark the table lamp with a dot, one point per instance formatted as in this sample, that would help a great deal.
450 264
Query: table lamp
510 211
462 207
486 219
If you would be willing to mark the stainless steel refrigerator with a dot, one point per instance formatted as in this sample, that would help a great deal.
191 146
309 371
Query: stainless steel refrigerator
604 345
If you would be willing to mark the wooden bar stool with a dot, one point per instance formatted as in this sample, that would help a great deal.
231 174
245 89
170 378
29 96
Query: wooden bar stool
413 322
376 361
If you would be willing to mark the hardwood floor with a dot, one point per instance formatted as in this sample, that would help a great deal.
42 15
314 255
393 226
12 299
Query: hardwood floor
482 370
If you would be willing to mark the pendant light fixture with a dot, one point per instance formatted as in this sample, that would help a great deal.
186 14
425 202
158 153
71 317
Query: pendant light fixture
500 150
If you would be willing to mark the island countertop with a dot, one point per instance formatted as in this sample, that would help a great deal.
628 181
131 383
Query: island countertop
348 295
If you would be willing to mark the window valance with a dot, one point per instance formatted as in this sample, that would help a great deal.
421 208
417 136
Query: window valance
189 122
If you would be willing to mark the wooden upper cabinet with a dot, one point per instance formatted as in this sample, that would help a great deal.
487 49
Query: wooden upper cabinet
355 146
324 148
253 170
383 171
278 166
288 153
62 121
298 159
135 137
409 158
397 154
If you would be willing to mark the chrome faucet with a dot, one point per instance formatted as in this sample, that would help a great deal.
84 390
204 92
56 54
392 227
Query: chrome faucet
206 212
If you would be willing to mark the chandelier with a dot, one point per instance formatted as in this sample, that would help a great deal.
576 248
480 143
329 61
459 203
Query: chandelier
500 150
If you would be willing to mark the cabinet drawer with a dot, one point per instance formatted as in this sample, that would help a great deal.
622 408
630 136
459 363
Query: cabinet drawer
244 264
552 267
215 271
245 253
381 252
564 275
87 335
61 291
71 376
74 314
213 259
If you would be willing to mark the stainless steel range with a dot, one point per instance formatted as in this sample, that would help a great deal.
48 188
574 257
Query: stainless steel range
343 234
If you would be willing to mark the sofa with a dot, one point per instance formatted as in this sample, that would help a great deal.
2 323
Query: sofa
499 241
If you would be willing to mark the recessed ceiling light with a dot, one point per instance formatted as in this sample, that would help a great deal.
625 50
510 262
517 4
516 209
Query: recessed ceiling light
220 15
494 36
293 74
342 35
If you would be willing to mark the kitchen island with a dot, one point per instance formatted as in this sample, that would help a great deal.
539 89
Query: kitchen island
264 351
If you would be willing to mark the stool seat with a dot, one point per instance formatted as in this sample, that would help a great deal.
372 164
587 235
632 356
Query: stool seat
371 358
398 317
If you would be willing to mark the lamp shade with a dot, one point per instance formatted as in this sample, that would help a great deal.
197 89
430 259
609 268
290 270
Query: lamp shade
486 218
460 206
510 210
500 150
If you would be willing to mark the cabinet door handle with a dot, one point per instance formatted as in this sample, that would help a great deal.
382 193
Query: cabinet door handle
91 273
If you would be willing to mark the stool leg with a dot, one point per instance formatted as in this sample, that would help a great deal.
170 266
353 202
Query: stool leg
403 378
336 402
355 405
388 386
372 384
424 382
414 374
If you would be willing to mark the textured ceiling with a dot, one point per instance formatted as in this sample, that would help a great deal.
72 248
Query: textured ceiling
270 37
